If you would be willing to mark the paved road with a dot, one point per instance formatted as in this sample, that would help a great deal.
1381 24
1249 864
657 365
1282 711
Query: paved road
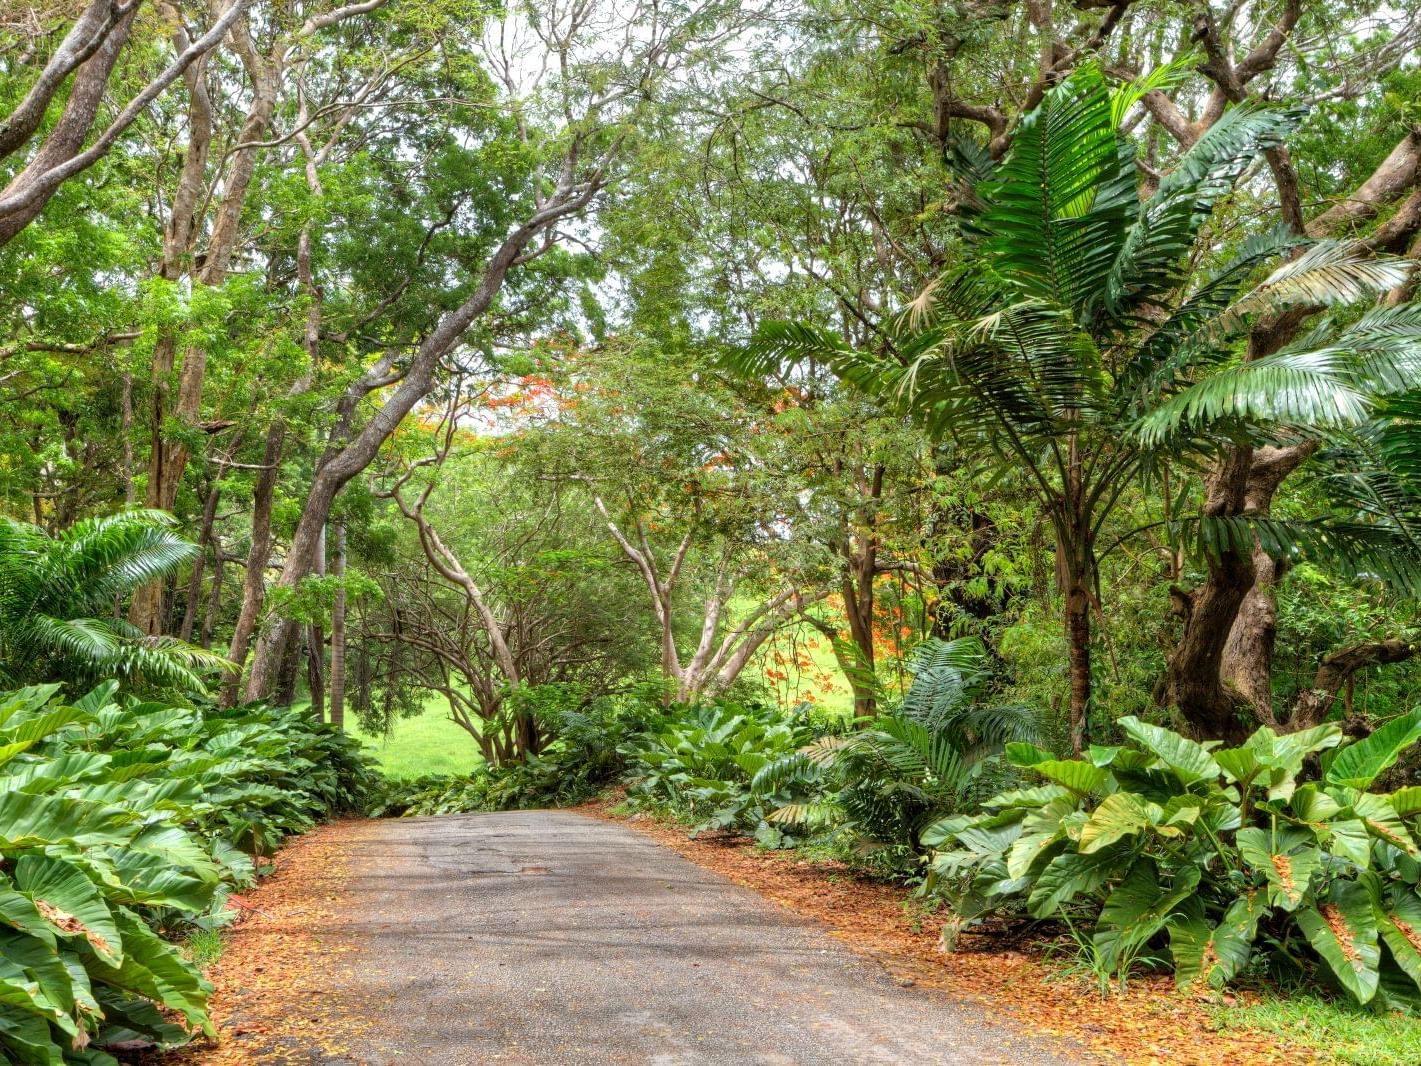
543 938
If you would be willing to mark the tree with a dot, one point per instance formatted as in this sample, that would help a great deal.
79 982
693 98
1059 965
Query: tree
592 105
511 591
1074 347
89 51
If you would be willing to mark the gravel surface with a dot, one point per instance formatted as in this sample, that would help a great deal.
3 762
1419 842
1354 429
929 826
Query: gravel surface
547 937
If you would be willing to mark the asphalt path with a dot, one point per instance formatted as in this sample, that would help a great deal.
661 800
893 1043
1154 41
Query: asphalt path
542 938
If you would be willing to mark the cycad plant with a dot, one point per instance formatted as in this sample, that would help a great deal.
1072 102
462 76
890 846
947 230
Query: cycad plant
1076 346
883 783
60 596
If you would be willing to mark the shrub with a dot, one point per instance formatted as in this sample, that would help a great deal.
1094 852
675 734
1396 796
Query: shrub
118 822
701 762
1220 854
880 785
578 763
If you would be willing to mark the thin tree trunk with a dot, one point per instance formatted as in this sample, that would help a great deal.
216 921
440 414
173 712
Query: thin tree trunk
316 648
130 493
338 631
214 598
316 670
204 543
254 584
1078 645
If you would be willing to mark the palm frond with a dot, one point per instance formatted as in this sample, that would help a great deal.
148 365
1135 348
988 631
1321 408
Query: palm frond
1058 205
1166 225
1308 389
1327 274
1364 550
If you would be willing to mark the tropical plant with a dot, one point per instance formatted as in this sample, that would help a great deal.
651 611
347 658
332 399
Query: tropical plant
1220 854
1078 347
59 597
701 761
882 784
118 823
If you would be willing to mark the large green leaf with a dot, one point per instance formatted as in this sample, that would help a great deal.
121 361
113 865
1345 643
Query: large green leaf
1399 923
1067 876
1188 760
1406 801
155 969
982 834
1381 820
1039 831
1349 839
1119 815
28 821
1080 777
1139 907
57 983
1289 873
19 912
70 901
25 1036
1343 930
1359 764
1212 955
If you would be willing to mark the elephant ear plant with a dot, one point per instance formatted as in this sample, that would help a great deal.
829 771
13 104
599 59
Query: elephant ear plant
1273 850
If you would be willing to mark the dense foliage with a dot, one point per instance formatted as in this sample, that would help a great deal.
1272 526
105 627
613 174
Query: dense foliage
645 380
1226 854
122 825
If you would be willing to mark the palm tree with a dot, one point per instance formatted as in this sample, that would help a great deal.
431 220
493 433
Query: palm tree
1076 345
58 597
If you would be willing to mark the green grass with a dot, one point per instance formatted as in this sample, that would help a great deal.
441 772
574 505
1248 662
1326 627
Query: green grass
1342 1032
428 743
203 947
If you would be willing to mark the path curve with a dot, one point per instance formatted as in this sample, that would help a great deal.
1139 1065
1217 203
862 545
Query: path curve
542 938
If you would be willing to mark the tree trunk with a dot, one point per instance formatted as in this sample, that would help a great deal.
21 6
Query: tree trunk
316 648
204 544
1194 682
315 671
254 584
1078 645
338 632
859 665
214 597
1246 665
1315 703
287 676
71 131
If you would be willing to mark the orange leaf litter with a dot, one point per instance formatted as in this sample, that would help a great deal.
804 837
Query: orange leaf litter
271 983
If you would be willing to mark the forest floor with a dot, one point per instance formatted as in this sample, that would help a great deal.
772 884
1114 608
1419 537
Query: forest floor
548 937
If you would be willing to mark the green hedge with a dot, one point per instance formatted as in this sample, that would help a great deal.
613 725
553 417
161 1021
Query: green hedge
122 826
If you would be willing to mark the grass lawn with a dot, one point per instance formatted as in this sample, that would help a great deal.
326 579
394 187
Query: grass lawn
1343 1033
428 743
